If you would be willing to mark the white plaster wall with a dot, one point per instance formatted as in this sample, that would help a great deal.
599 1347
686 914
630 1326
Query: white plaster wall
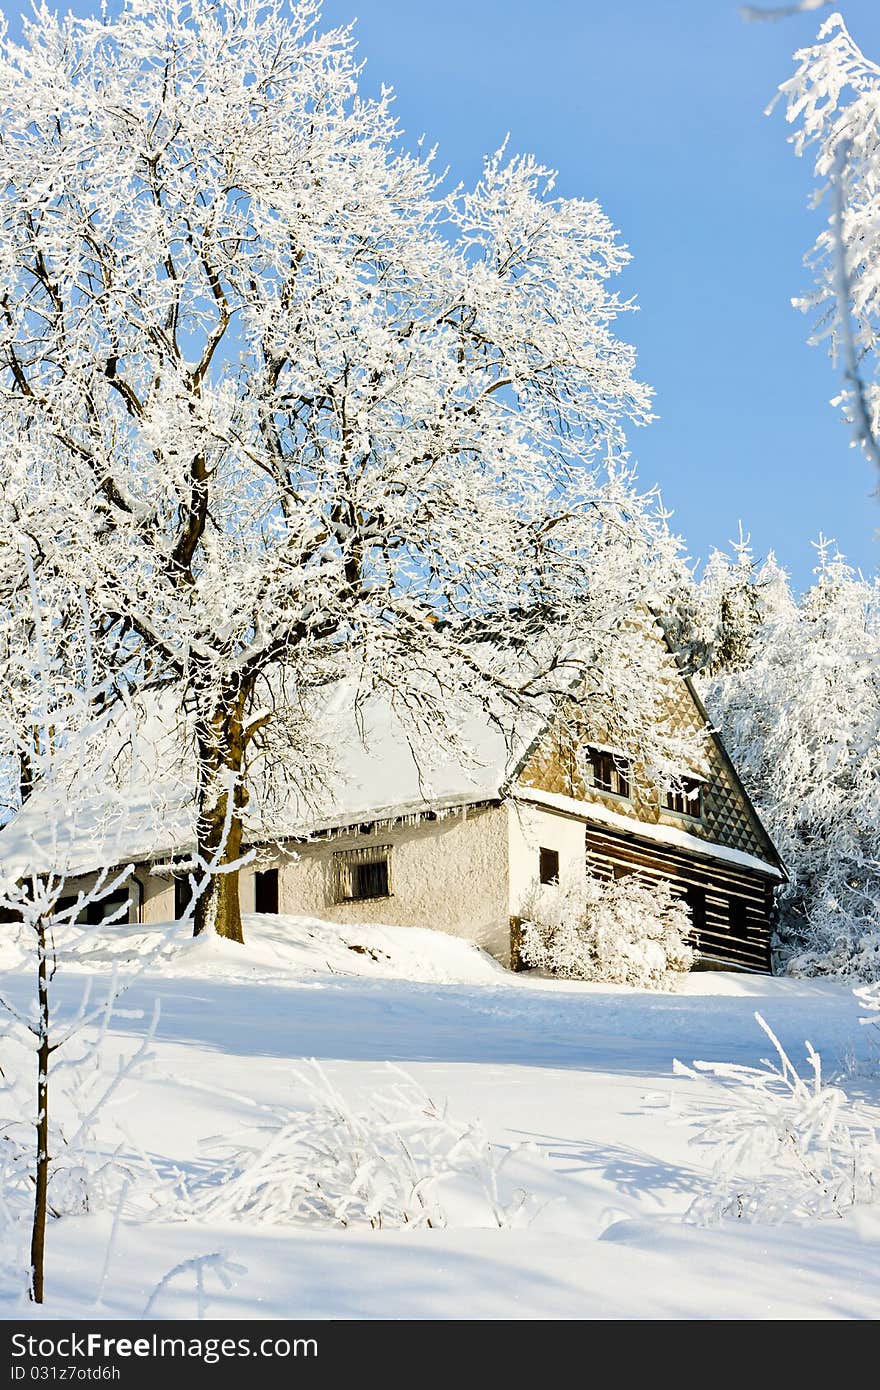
449 874
247 890
158 896
532 828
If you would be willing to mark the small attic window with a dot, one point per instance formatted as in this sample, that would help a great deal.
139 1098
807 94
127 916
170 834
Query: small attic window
548 865
359 874
687 800
609 772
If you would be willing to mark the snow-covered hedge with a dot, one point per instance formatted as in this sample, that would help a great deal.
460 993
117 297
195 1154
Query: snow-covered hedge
628 931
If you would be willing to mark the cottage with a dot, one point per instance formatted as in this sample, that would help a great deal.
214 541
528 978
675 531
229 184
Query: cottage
453 843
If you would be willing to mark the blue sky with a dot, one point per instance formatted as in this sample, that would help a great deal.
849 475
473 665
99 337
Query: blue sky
655 108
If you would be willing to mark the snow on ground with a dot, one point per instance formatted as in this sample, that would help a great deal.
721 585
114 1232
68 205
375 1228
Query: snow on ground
582 1072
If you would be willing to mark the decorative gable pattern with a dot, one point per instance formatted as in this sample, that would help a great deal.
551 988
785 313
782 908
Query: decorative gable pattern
728 819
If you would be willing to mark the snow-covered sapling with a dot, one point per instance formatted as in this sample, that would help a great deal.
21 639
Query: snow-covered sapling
398 1158
218 1264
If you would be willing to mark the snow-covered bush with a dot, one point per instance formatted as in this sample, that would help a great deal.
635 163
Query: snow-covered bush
629 931
798 704
398 1159
787 1147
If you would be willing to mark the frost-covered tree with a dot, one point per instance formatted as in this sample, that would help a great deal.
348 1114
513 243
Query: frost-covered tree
800 712
833 101
289 406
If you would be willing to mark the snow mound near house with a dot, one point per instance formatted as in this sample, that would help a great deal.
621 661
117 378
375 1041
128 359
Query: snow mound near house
297 946
280 948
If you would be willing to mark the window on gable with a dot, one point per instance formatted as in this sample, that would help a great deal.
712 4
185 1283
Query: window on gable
687 800
548 862
609 772
362 873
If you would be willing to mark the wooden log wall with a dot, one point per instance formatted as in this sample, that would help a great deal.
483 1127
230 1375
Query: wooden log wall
745 942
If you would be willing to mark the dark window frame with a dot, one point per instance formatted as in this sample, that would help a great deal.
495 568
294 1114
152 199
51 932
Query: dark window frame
688 801
609 773
362 874
98 911
548 866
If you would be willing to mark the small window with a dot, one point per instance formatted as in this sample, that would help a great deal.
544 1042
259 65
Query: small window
362 873
548 860
266 891
116 903
609 772
687 800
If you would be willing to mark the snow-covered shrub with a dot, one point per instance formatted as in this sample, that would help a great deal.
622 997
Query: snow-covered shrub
399 1159
798 704
786 1147
626 931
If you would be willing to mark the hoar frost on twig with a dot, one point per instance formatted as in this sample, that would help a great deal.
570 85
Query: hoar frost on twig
398 1159
787 1146
217 1264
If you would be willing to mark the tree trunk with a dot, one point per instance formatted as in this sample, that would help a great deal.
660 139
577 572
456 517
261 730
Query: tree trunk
219 832
38 1231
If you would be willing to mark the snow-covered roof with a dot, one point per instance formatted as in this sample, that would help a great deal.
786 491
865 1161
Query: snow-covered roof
126 795
118 794
671 835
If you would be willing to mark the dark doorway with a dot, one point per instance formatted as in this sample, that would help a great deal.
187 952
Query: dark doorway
182 896
738 919
696 901
266 891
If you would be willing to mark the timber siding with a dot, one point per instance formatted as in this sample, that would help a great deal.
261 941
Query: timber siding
609 852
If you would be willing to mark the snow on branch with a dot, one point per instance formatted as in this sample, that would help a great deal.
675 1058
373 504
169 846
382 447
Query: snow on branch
217 1264
833 101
